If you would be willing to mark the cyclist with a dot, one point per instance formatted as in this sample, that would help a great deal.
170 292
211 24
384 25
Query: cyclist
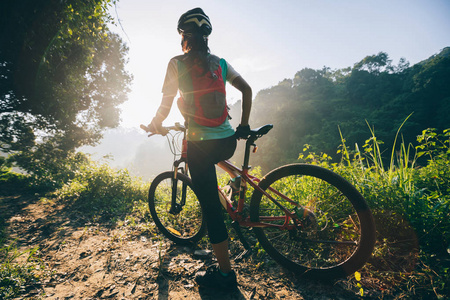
207 145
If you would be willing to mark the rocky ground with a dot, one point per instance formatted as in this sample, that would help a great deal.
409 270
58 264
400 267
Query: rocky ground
85 259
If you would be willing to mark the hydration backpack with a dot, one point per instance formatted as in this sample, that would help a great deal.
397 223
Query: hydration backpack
203 92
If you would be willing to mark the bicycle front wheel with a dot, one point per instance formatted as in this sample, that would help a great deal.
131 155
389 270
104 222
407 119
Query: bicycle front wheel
327 230
175 209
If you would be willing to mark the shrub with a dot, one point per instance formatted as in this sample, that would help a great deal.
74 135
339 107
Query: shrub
411 205
17 276
98 189
49 167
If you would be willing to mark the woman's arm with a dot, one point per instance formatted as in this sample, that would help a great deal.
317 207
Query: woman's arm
246 90
161 113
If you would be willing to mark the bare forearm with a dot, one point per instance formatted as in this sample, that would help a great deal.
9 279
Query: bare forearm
164 108
246 107
246 90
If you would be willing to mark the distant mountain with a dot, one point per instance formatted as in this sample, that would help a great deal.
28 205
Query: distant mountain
311 108
444 53
133 150
316 105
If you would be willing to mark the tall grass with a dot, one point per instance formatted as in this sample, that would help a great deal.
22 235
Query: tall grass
408 191
411 203
17 276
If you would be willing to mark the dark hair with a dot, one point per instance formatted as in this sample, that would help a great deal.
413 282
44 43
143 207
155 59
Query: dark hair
196 49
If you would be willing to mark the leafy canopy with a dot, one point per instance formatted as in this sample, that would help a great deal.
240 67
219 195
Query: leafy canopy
311 107
62 73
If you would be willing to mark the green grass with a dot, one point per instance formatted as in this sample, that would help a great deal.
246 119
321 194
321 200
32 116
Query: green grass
408 192
101 190
19 271
409 195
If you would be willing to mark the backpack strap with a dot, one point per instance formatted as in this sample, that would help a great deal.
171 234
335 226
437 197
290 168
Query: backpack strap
214 63
186 101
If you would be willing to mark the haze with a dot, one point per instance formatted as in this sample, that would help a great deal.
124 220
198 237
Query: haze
266 42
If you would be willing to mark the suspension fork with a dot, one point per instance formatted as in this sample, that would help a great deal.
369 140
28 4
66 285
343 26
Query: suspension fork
175 207
184 186
185 171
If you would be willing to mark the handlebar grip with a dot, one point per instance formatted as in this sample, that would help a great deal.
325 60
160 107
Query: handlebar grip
145 128
162 132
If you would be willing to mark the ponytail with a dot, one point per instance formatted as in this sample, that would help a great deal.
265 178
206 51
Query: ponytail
196 49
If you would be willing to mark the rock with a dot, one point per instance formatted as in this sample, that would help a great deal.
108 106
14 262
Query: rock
202 253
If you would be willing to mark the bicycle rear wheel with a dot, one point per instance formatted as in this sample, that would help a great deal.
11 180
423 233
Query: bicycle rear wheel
331 236
182 220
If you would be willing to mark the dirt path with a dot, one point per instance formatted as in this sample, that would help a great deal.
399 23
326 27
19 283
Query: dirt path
88 260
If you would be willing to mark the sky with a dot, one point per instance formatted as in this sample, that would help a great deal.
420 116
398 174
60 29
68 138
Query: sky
268 41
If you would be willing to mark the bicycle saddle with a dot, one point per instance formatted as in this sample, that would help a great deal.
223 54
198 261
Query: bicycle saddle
260 131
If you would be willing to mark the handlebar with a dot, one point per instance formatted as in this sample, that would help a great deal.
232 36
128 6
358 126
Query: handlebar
166 129
254 133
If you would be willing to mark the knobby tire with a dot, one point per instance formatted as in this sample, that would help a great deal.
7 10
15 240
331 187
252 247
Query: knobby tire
338 236
187 226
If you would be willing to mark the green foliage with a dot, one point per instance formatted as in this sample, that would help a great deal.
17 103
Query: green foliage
411 206
410 202
315 105
10 181
311 157
63 72
97 189
73 177
16 275
433 181
5 165
91 187
48 166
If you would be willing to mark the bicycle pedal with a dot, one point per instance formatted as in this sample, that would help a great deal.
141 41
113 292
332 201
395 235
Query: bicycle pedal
228 191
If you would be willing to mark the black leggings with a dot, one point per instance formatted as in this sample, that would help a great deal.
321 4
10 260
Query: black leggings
202 157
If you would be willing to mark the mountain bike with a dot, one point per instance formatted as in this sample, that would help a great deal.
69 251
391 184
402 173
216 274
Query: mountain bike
309 219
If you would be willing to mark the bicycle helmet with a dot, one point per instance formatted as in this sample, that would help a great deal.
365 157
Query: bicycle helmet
194 20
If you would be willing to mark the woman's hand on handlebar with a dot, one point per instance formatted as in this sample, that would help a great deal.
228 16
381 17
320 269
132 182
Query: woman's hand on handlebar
155 128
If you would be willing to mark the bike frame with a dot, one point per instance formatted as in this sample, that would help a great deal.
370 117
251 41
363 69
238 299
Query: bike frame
291 217
237 214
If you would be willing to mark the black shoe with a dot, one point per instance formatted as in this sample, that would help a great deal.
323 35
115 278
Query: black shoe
235 184
212 278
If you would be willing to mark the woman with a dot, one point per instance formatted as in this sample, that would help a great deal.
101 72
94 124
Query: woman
207 144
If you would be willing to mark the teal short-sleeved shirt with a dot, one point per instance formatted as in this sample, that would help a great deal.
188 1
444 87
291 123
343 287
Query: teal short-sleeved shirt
197 132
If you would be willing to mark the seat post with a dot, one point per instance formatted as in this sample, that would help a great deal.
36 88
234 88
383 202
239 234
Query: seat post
250 142
254 135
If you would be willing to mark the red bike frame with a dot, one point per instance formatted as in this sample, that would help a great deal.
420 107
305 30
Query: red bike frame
236 213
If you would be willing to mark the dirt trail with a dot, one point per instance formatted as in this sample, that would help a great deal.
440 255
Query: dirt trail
105 261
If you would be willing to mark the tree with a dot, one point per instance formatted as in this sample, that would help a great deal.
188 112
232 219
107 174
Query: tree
313 106
374 63
62 73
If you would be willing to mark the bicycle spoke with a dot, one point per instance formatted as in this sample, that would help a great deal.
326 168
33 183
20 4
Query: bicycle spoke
335 235
182 222
276 235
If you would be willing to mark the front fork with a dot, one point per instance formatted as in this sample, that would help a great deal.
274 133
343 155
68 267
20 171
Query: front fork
175 208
